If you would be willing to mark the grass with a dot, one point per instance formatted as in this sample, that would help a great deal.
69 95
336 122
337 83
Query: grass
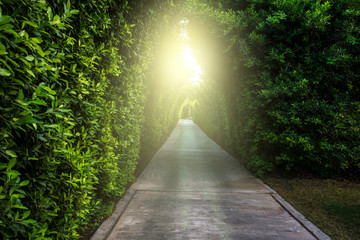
332 205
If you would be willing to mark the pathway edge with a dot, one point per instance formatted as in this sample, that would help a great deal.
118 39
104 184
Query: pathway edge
107 226
312 228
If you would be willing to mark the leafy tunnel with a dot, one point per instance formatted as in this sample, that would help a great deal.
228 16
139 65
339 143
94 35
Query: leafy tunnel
91 89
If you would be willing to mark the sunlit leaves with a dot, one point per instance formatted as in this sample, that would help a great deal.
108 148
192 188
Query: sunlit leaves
53 111
30 58
4 72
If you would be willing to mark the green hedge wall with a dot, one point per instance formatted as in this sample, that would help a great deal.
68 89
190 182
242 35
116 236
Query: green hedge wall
71 113
290 99
79 103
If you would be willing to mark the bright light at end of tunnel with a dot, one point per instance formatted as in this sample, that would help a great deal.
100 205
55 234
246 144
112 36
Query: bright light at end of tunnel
177 61
188 58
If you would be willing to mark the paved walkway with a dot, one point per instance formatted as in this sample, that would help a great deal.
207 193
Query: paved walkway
193 189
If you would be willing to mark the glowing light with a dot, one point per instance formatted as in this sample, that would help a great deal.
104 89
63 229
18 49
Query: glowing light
177 58
183 33
188 56
191 63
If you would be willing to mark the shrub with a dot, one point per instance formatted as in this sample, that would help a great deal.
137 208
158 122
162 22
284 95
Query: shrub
289 102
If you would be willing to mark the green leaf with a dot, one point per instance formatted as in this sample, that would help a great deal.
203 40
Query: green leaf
64 110
56 20
12 174
36 40
24 119
25 215
51 125
49 13
20 207
2 166
4 72
2 49
18 82
4 19
74 11
11 154
12 189
30 72
30 58
22 102
31 221
69 14
39 102
19 190
38 89
40 52
24 183
6 27
21 94
49 90
34 25
12 162
68 5
12 32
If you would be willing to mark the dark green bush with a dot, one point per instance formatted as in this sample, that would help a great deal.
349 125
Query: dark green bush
291 99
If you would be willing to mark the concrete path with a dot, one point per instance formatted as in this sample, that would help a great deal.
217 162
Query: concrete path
193 189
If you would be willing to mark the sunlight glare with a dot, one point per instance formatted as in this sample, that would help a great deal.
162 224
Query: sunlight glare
189 60
177 60
188 57
184 34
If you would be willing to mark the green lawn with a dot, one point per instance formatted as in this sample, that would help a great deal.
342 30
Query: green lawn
332 205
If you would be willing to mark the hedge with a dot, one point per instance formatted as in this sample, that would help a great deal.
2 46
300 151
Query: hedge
73 95
289 99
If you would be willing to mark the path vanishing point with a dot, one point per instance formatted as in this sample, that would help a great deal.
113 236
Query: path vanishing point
193 189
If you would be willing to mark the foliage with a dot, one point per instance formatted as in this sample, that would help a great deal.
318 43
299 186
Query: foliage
75 91
71 113
290 100
82 94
